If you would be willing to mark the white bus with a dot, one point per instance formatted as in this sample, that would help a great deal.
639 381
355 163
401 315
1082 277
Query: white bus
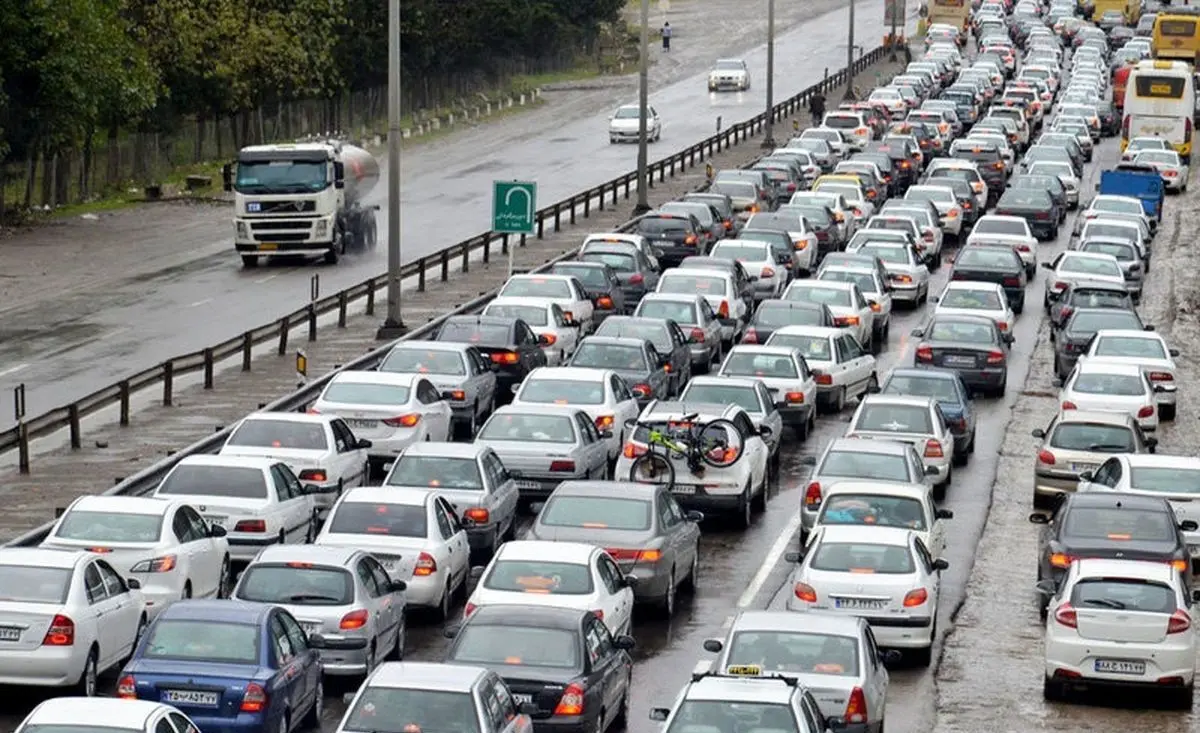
1160 99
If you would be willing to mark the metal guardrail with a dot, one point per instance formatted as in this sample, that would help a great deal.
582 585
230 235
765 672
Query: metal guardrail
70 416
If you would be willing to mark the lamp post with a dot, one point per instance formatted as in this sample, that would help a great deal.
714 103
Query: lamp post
643 183
769 136
849 95
393 327
893 10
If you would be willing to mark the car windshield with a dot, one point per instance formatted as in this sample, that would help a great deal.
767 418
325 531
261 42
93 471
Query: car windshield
1122 252
864 280
1124 594
212 642
475 333
1129 346
1093 437
365 393
890 418
591 276
941 389
34 584
729 66
986 257
224 481
383 520
827 296
1165 480
519 427
1121 385
1112 319
965 298
864 465
268 433
380 709
873 509
104 527
422 361
596 512
678 282
533 315
436 471
862 558
774 315
742 252
536 287
545 391
516 645
540 577
749 364
1120 524
842 122
697 716
988 225
715 394
299 583
886 254
813 348
615 260
791 651
682 313
961 332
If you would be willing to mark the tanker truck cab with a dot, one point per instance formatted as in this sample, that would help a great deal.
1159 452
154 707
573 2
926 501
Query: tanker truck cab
302 200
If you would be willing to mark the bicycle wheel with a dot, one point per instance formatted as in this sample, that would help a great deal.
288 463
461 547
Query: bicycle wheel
721 443
652 468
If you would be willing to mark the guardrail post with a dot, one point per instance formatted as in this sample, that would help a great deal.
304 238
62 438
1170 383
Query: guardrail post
541 225
247 350
445 265
573 205
343 303
487 247
123 396
504 245
168 383
662 171
208 368
587 204
284 326
466 257
370 308
314 295
22 428
523 240
73 424
421 277
600 198
557 217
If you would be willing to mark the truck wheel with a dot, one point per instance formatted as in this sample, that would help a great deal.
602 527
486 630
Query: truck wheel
338 248
372 229
250 260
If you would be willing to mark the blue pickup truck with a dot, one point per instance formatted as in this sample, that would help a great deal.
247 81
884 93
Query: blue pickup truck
1139 181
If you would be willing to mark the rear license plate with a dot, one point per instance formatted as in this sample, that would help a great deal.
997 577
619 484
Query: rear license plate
683 489
1081 467
522 699
1120 666
859 603
528 485
191 697
389 563
967 361
1192 549
10 633
266 247
311 628
362 423
215 520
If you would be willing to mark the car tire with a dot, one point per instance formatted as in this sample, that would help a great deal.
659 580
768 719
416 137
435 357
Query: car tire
667 604
225 583
746 509
1166 412
1053 690
250 261
693 578
446 603
89 677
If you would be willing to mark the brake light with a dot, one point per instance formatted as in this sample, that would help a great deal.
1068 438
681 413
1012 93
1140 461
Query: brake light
791 187
604 302
60 633
633 450
637 279
354 620
1180 565
933 449
690 239
1068 405
550 338
1059 285
812 495
251 525
800 245
915 597
1012 282
164 564
697 336
729 225
924 353
314 474
510 357
751 336
805 592
426 565
856 707
723 311
403 421
255 699
903 279
1002 325
1046 457
822 378
875 307
458 395
844 321
478 515
127 688
795 398
767 272
1066 616
995 357
1161 377
642 391
1066 311
634 555
562 467
998 165
1147 411
571 702
1179 623
1062 560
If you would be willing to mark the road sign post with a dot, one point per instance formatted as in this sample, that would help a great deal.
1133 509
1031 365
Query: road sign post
514 210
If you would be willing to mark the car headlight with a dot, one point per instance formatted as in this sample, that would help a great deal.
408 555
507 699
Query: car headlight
243 231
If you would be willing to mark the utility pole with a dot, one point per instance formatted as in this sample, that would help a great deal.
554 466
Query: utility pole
643 178
893 7
769 138
849 95
393 327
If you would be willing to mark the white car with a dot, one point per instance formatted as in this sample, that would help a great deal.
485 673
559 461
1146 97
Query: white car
1073 267
729 74
1174 478
1112 387
881 573
718 288
1109 204
1120 622
846 302
1012 230
1113 226
462 372
885 504
846 222
166 545
255 501
931 239
1064 172
785 373
566 290
942 197
1170 167
545 318
65 619
1143 142
392 410
852 124
977 184
906 268
601 393
860 206
119 716
638 241
625 123
321 450
414 534
835 138
891 99
967 297
559 574
768 276
874 288
842 368
917 421
1147 350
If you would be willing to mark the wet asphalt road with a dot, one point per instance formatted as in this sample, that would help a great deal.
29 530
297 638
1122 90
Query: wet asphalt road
86 339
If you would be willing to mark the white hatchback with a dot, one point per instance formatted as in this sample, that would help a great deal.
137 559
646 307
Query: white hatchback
967 297
1112 387
392 410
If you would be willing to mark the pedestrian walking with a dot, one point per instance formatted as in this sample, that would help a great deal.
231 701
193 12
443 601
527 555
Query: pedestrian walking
666 36
816 105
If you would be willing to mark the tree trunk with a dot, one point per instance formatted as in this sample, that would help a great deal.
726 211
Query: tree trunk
198 150
112 173
261 125
140 162
30 174
217 138
3 183
49 160
62 178
85 170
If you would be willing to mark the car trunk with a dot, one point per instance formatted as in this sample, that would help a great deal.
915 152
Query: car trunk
121 555
296 458
533 458
397 554
23 626
1125 627
543 686
367 421
226 510
196 688
830 692
916 440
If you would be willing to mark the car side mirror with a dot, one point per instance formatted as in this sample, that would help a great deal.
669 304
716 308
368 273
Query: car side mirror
569 323
625 642
310 489
1046 587
943 514
660 715
1148 327
930 471
713 645
133 583
1039 518
316 641
1038 433
216 530
1047 265
606 434
630 581
451 631
363 444
1189 525
694 516
940 564
918 332
1173 352
515 388
658 252
766 431
1151 443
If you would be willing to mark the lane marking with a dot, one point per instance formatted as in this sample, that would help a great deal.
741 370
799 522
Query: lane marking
268 278
199 302
774 555
12 370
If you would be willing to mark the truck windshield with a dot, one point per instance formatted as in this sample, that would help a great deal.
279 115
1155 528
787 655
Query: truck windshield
281 176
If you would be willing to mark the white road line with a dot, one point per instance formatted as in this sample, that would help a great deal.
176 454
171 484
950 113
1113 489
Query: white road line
12 370
774 555
199 302
262 280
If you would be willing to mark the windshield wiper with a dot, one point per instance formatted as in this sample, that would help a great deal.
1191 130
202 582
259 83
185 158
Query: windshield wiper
300 597
1107 603
1107 447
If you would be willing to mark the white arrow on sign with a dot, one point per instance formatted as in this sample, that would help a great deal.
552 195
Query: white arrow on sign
528 200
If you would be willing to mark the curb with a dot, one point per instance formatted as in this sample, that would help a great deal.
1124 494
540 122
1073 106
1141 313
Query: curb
466 114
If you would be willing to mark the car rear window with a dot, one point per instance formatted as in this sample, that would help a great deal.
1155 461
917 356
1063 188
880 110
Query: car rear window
715 394
1124 594
436 471
1001 226
104 527
33 584
543 390
610 356
516 645
842 122
655 334
894 419
681 313
534 315
1110 319
826 296
742 252
657 225
1122 385
266 433
677 282
364 393
476 333
1166 480
779 316
791 651
986 257
227 481
965 298
1093 437
202 641
540 577
590 276
513 426
296 583
963 332
421 361
381 709
886 254
1119 525
862 465
942 390
749 364
862 557
875 510
615 260
865 281
596 512
384 520
536 287
813 348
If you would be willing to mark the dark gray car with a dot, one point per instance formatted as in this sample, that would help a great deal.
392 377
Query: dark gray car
775 314
709 218
1087 295
634 271
668 339
601 284
1076 333
634 359
972 346
721 203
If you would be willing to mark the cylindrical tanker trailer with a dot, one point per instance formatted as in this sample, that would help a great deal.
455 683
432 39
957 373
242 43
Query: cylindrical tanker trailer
302 200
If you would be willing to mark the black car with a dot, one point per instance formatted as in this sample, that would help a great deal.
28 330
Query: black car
1110 121
634 359
994 265
601 284
677 235
563 661
719 201
822 221
509 343
972 346
775 314
965 196
633 270
1081 326
1109 524
899 153
668 339
1050 184
990 163
1087 295
1034 206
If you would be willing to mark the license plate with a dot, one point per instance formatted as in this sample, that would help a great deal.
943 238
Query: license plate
683 489
214 520
960 361
191 697
859 603
266 247
522 699
1120 666
312 628
390 563
10 633
362 423
1081 467
1192 549
528 485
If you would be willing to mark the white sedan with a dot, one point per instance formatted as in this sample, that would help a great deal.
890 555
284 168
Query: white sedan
1170 167
166 545
846 302
1120 622
1012 230
65 619
414 533
1147 350
768 276
601 393
874 288
545 318
842 368
873 572
119 716
909 419
566 290
885 504
967 297
783 370
559 574
392 410
1114 387
942 197
1073 267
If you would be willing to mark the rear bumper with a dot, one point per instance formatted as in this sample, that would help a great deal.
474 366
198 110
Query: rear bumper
43 667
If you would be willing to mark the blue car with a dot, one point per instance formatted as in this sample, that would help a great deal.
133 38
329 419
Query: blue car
233 667
945 386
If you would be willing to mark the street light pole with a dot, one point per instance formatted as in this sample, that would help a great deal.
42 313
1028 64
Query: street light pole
393 327
894 7
769 137
849 95
643 182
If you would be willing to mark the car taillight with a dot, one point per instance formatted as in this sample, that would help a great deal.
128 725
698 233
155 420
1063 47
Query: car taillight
822 378
856 707
1066 616
314 474
1058 285
998 165
61 632
637 279
805 592
1069 405
458 395
426 565
791 187
995 357
767 272
875 307
844 321
478 515
751 336
634 555
354 620
604 302
642 391
1147 411
403 421
562 467
1046 457
697 336
812 495
1002 325
633 450
1179 623
1180 565
1161 377
127 688
729 225
690 239
571 702
510 357
254 700
1012 282
902 279
1062 560
915 597
795 398
251 525
924 353
723 311
604 422
469 609
933 449
164 564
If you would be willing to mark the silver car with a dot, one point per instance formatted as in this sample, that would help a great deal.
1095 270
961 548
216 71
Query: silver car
697 319
1128 257
341 593
749 394
461 370
472 478
544 445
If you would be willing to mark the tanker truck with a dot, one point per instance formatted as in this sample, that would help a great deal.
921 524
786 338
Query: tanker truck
302 200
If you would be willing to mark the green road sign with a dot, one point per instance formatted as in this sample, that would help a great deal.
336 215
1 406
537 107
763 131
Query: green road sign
514 207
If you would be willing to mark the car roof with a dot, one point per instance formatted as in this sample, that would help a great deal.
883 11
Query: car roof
411 496
1094 567
825 623
446 450
223 610
855 486
316 554
398 379
614 489
857 445
123 505
42 557
1159 460
115 713
895 536
576 553
546 617
426 676
672 297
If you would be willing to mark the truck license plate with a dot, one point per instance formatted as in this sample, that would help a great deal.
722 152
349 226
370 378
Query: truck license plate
267 246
